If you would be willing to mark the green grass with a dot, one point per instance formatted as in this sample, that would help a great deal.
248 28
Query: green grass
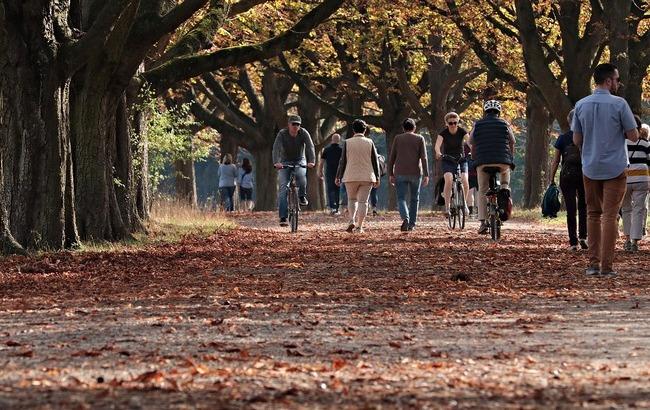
170 222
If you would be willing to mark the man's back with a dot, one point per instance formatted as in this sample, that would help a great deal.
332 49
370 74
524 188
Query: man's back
332 156
408 155
602 119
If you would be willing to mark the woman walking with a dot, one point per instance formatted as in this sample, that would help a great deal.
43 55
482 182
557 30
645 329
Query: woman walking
227 177
359 170
246 185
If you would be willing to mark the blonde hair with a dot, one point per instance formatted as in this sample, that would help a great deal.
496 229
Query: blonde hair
227 159
451 115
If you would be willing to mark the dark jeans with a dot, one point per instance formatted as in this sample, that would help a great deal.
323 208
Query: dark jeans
573 188
403 184
227 193
333 193
373 198
285 175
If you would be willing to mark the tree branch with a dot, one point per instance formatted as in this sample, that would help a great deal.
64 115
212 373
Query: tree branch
183 68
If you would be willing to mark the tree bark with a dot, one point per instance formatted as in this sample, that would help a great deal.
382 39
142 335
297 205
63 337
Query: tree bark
266 179
185 182
537 147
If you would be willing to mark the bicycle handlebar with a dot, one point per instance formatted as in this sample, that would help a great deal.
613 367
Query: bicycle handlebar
293 166
450 158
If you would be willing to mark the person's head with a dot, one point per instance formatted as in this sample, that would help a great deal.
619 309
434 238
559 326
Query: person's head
606 77
569 117
452 119
336 138
492 107
227 159
294 122
246 165
409 125
637 119
359 126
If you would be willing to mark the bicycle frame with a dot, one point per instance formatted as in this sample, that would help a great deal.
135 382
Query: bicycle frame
493 214
457 199
293 201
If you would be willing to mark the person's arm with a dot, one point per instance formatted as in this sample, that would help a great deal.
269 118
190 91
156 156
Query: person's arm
277 151
555 164
437 147
309 150
632 135
374 159
577 139
470 141
343 162
321 164
576 126
391 161
423 158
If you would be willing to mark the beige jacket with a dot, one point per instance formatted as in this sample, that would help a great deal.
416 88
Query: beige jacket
359 160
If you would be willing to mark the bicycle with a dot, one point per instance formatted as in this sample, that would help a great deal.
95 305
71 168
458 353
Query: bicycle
457 200
293 201
493 211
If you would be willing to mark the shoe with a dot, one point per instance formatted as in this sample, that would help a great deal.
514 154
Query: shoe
405 226
410 227
573 248
303 201
466 211
283 222
635 246
374 212
609 273
350 228
583 244
592 271
483 229
628 246
471 211
447 213
336 213
359 229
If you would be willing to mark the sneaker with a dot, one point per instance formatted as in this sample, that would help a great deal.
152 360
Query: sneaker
592 271
359 229
628 246
573 248
374 212
583 244
350 228
483 228
635 246
336 213
609 273
283 222
303 201
471 211
405 225
410 227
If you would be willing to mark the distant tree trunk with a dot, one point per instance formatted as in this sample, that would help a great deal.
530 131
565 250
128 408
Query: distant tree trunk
266 179
140 149
394 130
228 145
185 182
537 147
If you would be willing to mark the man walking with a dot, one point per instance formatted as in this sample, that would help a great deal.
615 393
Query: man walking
331 157
601 123
407 170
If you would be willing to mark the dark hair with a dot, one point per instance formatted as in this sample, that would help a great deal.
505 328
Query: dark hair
246 166
603 72
408 124
359 126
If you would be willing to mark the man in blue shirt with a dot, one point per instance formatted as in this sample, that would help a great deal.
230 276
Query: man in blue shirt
600 125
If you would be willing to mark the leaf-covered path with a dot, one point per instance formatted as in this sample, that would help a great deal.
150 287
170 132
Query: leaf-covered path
259 318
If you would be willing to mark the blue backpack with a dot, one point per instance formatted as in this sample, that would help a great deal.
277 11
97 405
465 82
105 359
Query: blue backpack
551 201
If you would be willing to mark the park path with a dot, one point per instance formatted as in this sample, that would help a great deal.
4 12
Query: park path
257 317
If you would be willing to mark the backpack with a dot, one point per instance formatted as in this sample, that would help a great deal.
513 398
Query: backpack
383 168
551 201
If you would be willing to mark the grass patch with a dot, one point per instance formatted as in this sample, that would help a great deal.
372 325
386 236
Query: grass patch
170 222
535 215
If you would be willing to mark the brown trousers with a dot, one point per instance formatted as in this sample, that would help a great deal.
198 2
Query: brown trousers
604 199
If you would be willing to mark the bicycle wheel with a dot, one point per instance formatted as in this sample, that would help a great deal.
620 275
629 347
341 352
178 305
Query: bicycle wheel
451 221
494 223
461 209
294 210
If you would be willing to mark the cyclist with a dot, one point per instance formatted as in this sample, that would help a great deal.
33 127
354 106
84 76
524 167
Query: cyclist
493 145
451 141
291 146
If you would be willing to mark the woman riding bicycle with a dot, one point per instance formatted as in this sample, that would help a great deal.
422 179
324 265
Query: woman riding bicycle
450 142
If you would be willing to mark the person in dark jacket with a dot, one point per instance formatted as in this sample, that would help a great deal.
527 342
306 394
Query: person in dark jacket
493 145
572 187
327 171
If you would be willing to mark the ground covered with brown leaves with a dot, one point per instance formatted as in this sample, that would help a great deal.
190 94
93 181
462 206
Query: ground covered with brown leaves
256 317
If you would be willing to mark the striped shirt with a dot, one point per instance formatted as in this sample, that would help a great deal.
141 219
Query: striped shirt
638 154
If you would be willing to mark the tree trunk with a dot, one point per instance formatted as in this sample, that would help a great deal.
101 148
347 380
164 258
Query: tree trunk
537 147
34 129
140 149
185 182
228 145
266 179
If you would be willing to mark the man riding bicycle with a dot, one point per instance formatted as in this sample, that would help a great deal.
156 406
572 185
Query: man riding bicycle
290 147
493 145
450 142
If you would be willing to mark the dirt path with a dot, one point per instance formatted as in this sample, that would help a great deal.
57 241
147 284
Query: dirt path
259 318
